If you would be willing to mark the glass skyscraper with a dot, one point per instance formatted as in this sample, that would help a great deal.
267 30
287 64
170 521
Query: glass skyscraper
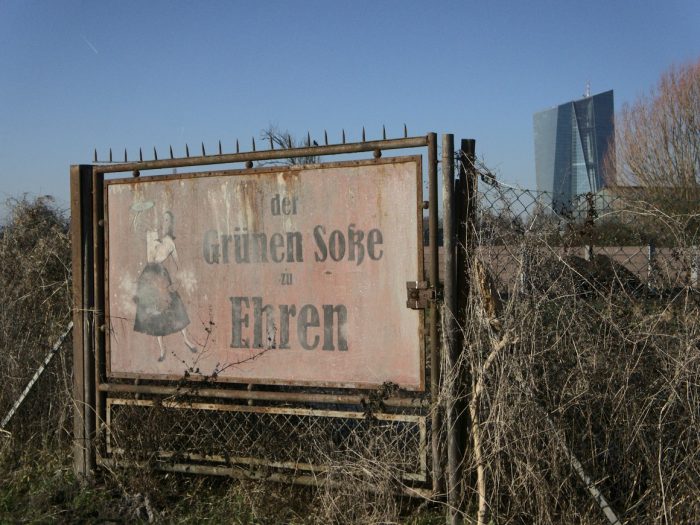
571 142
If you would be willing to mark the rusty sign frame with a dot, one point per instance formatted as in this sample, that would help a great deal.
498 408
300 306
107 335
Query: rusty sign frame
91 387
272 170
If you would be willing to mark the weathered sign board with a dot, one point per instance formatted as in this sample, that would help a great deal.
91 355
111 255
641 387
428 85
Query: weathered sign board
282 275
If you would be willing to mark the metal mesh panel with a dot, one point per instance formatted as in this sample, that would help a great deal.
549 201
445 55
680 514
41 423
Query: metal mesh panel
278 437
600 239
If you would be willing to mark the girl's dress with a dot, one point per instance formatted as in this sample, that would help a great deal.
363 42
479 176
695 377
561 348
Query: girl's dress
159 311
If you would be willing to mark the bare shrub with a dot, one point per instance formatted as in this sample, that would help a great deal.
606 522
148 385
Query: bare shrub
362 483
599 366
35 277
658 141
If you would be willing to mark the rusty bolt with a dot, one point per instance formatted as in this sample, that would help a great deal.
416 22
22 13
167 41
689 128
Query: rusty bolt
377 153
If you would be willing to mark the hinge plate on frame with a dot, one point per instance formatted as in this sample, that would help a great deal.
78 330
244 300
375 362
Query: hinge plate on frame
419 295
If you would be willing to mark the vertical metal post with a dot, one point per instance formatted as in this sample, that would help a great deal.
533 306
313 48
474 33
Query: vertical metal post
83 304
465 211
78 386
449 244
589 224
99 298
465 207
436 420
449 325
471 186
466 219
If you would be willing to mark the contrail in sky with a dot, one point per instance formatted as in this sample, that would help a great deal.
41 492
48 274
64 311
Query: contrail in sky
90 44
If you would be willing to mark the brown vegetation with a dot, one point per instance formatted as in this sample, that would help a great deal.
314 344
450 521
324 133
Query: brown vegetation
584 381
36 308
588 367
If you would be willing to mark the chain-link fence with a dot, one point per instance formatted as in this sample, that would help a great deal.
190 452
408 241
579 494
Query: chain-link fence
298 441
600 237
583 335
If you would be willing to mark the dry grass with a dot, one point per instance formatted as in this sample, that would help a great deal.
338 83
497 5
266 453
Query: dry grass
596 368
35 279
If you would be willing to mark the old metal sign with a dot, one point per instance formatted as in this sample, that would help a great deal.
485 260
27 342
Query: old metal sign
276 275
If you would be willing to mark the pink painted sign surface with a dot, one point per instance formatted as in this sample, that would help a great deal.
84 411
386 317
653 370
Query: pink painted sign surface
283 275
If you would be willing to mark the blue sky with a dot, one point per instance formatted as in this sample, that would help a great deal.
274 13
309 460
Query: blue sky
81 75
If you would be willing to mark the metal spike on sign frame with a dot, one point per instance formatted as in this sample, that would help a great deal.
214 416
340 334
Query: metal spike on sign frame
405 131
238 149
383 132
325 137
219 147
204 153
155 153
343 136
140 155
272 142
308 139
125 159
110 154
94 157
187 150
171 151
363 134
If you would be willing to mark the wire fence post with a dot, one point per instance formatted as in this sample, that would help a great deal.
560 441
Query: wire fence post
453 352
466 208
83 322
466 229
436 419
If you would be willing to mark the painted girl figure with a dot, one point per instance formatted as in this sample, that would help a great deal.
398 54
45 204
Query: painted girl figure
159 308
